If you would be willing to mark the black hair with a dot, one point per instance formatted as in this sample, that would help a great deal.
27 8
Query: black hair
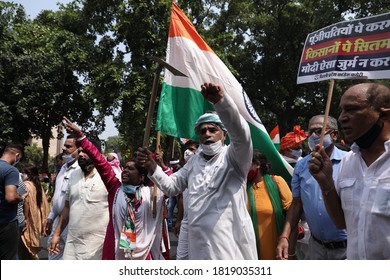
141 170
11 147
190 143
261 159
71 136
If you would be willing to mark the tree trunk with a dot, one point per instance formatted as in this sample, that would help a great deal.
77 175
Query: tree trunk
46 145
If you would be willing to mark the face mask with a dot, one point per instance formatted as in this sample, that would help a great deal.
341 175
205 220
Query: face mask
369 137
212 149
129 189
252 174
296 153
315 140
68 158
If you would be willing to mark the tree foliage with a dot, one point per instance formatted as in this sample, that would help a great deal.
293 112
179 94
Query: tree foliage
52 67
92 56
33 155
113 144
260 41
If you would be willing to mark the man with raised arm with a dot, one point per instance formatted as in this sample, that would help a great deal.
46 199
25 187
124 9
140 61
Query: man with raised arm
220 227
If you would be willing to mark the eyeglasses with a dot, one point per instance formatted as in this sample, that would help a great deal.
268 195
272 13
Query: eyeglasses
317 131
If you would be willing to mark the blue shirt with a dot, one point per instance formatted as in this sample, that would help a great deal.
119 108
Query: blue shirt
307 189
9 175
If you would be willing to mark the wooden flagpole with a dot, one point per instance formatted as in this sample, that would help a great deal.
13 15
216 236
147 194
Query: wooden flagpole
330 93
145 143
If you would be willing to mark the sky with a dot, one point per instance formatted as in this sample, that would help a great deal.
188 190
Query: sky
33 8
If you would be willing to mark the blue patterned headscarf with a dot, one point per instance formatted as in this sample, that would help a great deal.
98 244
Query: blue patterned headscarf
128 188
209 118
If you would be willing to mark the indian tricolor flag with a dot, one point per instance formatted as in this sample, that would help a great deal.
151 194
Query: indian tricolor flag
181 102
275 137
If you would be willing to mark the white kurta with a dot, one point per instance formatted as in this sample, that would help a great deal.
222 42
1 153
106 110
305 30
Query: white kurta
88 217
149 229
365 197
219 226
182 246
62 184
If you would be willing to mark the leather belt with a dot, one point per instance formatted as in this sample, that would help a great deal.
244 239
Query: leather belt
331 245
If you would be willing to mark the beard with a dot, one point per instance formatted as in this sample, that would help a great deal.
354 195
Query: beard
85 164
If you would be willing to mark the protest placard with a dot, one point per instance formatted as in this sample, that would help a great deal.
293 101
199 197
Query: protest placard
357 49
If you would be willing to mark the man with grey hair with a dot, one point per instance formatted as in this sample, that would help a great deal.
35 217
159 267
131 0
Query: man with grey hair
220 227
326 242
359 199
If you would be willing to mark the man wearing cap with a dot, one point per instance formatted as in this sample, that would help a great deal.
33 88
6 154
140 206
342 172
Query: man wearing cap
220 227
291 145
291 151
326 242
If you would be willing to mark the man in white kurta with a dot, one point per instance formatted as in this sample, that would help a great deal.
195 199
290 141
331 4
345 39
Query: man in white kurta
61 186
70 155
219 226
85 213
88 217
360 198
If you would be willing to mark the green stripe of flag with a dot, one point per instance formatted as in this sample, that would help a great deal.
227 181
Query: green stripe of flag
179 108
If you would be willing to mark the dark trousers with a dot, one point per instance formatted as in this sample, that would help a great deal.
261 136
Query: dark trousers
9 239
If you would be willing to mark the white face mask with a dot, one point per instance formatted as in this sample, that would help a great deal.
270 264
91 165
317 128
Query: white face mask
315 140
212 149
68 158
296 153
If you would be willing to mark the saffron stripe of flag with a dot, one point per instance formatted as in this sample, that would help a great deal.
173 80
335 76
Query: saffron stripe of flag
181 102
275 136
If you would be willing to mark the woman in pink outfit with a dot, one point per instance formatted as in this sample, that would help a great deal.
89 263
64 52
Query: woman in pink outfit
115 163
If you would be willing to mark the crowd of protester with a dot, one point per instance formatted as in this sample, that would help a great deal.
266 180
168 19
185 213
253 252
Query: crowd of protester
230 204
